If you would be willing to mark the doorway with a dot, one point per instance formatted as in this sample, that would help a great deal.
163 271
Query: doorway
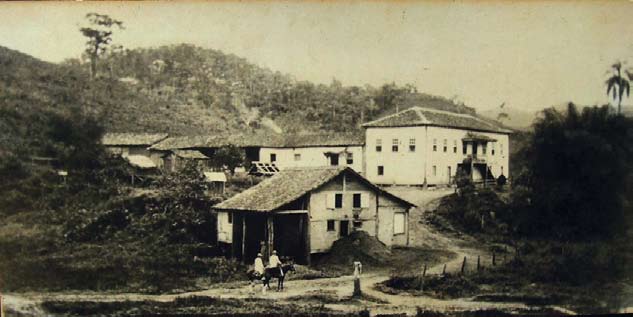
450 174
344 230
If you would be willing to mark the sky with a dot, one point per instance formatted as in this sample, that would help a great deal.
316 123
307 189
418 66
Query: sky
526 54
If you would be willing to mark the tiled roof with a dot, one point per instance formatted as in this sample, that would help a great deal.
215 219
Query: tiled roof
289 185
140 161
191 154
262 140
132 138
419 116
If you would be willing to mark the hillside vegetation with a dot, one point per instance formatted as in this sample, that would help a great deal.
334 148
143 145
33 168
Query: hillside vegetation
192 90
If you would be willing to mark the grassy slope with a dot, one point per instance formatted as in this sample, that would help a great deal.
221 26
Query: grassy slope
589 277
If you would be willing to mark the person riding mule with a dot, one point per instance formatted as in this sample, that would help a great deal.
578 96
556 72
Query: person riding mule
274 262
257 272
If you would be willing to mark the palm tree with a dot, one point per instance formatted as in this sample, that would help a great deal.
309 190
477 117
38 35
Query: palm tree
618 84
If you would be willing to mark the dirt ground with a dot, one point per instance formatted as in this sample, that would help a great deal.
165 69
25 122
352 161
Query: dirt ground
377 302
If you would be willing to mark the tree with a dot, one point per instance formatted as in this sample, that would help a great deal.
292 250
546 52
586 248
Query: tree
99 35
230 156
618 85
579 165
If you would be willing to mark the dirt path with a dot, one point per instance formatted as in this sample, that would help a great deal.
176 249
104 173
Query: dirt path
342 287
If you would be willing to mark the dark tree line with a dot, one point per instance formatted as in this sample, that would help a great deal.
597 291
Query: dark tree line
577 175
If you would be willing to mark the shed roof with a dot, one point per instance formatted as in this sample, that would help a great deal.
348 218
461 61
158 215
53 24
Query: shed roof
140 161
191 154
420 116
133 138
289 185
262 140
215 177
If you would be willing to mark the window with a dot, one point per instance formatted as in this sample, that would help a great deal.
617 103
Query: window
484 148
492 150
394 145
378 145
230 217
412 145
297 157
273 157
434 145
445 145
350 158
338 201
399 222
464 148
334 159
331 225
381 170
434 170
454 146
358 224
357 200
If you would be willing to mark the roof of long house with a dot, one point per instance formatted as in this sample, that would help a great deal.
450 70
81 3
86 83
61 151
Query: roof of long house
420 116
262 140
138 139
289 185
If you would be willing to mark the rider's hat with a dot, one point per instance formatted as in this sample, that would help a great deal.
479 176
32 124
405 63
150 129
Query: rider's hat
259 255
274 251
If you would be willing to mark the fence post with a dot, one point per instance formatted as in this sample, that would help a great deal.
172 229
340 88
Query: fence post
478 263
444 269
358 269
424 272
494 260
464 265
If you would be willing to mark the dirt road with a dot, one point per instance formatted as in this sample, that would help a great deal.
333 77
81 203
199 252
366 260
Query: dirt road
341 287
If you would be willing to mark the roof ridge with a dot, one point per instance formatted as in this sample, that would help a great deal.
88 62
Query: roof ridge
445 112
423 118
389 116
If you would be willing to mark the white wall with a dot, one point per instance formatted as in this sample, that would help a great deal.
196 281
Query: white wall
225 229
312 156
402 167
321 211
410 168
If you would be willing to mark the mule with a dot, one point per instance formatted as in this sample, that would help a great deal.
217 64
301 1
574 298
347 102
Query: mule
275 272
269 274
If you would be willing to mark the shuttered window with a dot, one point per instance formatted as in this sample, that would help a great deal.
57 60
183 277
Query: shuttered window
399 222
338 201
331 225
357 200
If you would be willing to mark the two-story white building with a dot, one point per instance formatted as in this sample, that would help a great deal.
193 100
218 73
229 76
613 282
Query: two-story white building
302 211
422 146
312 150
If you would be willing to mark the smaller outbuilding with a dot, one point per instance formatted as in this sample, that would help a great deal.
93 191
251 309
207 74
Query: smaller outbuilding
302 211
133 144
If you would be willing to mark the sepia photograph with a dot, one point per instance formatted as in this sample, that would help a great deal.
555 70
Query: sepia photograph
316 158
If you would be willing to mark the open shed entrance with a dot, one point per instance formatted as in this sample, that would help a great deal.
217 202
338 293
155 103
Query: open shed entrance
255 232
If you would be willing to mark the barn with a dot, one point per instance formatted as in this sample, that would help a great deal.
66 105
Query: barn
302 211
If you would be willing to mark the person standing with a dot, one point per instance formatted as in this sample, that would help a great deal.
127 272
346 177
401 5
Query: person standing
258 266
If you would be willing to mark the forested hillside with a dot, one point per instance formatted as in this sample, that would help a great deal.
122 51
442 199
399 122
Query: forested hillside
194 91
183 89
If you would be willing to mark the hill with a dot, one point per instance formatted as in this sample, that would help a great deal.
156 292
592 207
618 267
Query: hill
192 90
517 118
187 90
